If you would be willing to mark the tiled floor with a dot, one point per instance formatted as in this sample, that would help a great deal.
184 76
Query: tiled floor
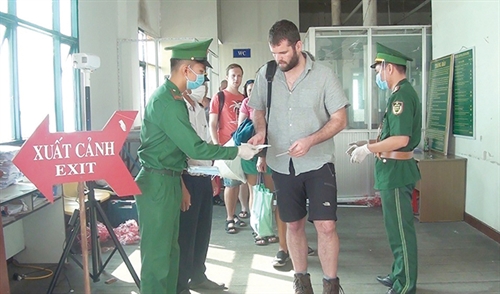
453 258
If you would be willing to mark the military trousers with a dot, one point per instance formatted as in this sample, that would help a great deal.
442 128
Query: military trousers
158 209
400 228
194 231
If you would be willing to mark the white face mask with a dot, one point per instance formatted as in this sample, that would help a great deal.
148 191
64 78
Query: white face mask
198 94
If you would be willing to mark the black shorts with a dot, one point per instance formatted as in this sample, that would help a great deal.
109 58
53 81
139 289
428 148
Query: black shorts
319 186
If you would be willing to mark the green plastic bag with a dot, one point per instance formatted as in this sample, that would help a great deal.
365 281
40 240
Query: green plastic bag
261 216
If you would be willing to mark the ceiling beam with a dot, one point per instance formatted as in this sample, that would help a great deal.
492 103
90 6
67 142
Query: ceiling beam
414 10
353 11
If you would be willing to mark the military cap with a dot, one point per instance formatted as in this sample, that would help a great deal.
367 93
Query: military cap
196 51
390 56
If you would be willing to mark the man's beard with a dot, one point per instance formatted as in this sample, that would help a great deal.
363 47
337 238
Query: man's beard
293 62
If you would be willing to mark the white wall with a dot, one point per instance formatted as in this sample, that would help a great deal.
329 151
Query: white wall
245 24
108 29
459 24
238 24
101 25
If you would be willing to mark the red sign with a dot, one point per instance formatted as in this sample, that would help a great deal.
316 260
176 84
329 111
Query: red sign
48 158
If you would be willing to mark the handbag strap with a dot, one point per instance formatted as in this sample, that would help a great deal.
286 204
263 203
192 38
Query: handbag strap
260 178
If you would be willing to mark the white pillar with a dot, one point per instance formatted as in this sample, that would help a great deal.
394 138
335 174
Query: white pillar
336 13
369 12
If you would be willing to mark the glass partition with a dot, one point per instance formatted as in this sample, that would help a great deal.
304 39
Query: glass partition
350 51
346 56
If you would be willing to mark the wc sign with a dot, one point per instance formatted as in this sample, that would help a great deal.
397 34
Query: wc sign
241 53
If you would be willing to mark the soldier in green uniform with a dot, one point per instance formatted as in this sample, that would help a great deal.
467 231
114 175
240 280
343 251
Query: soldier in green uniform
167 138
396 172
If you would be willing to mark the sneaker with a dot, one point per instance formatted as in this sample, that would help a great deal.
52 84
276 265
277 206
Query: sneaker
302 284
310 251
281 258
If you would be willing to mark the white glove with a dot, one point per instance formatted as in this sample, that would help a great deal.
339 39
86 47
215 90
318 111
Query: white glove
359 143
352 146
247 151
359 154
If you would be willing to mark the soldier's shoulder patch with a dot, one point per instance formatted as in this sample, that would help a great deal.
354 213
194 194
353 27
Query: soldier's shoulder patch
397 107
176 95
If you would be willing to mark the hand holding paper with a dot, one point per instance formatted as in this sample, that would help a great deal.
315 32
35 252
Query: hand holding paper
359 154
247 151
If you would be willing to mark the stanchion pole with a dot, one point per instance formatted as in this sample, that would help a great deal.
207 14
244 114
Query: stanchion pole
83 237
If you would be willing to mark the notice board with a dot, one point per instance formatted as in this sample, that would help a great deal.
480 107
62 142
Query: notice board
463 94
439 103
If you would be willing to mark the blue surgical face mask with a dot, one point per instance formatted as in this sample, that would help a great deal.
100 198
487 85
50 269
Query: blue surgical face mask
200 79
381 84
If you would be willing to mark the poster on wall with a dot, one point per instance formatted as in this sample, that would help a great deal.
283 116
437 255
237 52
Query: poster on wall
463 94
439 104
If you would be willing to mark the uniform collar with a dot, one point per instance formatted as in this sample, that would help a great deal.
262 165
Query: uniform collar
176 93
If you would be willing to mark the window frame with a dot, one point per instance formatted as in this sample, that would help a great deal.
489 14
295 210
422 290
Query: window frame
11 23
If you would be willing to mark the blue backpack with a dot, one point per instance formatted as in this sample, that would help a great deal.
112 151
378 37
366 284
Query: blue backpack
245 130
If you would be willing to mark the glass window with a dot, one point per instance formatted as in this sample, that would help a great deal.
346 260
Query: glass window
346 56
36 80
65 16
411 46
147 60
4 5
68 89
5 90
38 12
3 29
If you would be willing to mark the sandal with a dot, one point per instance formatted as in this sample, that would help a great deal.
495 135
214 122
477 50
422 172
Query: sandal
260 241
230 228
238 221
272 239
218 201
243 214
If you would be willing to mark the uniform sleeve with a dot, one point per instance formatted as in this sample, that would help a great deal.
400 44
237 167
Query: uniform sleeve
214 104
400 115
174 121
335 97
258 97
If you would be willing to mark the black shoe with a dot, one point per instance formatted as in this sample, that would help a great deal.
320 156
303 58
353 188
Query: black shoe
206 285
218 201
386 281
281 258
391 291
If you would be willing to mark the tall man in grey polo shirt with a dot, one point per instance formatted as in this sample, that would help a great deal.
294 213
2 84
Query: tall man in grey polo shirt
307 110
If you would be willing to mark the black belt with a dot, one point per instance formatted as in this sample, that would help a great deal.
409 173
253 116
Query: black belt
167 172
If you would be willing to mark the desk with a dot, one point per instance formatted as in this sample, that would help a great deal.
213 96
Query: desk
35 236
442 187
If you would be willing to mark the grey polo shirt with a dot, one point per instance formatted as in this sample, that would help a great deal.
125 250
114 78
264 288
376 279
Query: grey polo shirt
299 112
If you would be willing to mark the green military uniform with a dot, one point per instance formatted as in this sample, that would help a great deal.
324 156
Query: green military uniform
396 178
167 138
